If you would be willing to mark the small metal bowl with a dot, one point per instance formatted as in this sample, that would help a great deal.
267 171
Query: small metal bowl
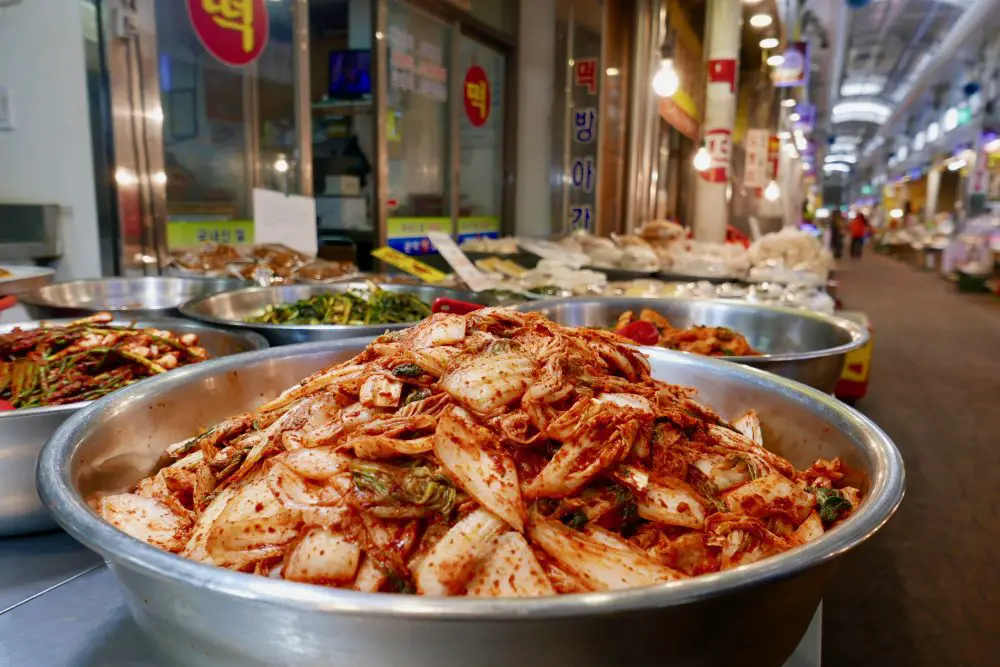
143 298
231 309
800 345
201 615
23 432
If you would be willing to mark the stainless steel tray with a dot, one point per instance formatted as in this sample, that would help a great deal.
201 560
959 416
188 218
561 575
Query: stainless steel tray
231 309
24 278
797 344
193 609
143 298
23 432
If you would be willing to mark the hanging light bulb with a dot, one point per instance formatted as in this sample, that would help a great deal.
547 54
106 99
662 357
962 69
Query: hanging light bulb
772 191
666 81
702 160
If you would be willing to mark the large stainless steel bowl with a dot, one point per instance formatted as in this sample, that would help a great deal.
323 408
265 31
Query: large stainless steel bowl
202 615
231 309
797 344
23 432
144 298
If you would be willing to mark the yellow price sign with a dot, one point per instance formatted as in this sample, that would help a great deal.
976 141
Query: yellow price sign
406 263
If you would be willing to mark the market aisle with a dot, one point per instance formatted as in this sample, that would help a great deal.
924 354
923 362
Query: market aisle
926 590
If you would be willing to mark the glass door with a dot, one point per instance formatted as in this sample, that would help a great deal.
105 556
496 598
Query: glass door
481 71
208 103
417 136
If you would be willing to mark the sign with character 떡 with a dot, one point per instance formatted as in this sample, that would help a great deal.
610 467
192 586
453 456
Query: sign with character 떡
477 96
235 32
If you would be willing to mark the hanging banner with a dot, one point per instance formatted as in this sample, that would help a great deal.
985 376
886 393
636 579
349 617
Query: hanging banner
773 156
477 96
235 32
794 69
979 179
719 142
755 170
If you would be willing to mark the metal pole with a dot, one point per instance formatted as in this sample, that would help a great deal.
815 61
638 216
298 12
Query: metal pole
711 215
303 104
381 172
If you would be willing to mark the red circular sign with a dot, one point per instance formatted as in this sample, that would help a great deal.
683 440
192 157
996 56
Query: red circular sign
477 95
234 31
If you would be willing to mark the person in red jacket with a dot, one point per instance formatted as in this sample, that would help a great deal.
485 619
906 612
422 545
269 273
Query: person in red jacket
859 229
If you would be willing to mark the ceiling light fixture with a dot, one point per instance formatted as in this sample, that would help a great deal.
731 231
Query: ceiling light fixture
769 43
665 81
772 191
776 60
702 160
761 20
788 103
795 117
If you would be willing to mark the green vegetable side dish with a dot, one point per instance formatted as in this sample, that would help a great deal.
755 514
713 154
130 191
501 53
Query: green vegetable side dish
354 307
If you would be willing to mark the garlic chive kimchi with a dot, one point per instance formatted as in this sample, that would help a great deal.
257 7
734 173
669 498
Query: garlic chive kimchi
491 454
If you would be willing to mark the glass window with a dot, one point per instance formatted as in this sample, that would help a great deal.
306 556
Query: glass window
481 126
228 124
418 128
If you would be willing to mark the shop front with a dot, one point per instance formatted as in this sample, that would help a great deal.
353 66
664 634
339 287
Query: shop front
342 124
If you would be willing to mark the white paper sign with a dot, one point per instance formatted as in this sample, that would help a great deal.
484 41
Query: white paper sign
287 219
755 168
465 269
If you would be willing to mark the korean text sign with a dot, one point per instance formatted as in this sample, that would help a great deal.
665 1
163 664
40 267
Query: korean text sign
235 32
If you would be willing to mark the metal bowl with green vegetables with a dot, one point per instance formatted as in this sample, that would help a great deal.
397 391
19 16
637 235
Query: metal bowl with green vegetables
299 313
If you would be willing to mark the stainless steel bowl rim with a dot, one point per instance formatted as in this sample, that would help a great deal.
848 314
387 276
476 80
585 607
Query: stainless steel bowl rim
35 297
190 310
72 512
859 335
161 323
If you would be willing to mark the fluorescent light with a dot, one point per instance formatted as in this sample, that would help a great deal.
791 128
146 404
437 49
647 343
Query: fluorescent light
784 136
836 166
896 213
933 133
822 213
788 103
864 111
761 20
795 117
612 71
950 120
776 60
862 88
850 159
769 43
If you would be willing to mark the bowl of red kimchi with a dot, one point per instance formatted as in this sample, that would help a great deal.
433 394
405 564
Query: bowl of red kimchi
481 489
801 345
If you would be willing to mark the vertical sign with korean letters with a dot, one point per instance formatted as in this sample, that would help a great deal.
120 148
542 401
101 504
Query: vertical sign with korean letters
235 32
582 177
755 170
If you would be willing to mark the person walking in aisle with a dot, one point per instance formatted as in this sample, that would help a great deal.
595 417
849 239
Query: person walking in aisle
859 230
837 235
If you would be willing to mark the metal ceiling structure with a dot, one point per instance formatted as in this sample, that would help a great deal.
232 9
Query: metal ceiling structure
903 63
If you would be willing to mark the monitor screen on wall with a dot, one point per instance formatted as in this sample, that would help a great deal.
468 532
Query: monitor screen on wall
350 74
